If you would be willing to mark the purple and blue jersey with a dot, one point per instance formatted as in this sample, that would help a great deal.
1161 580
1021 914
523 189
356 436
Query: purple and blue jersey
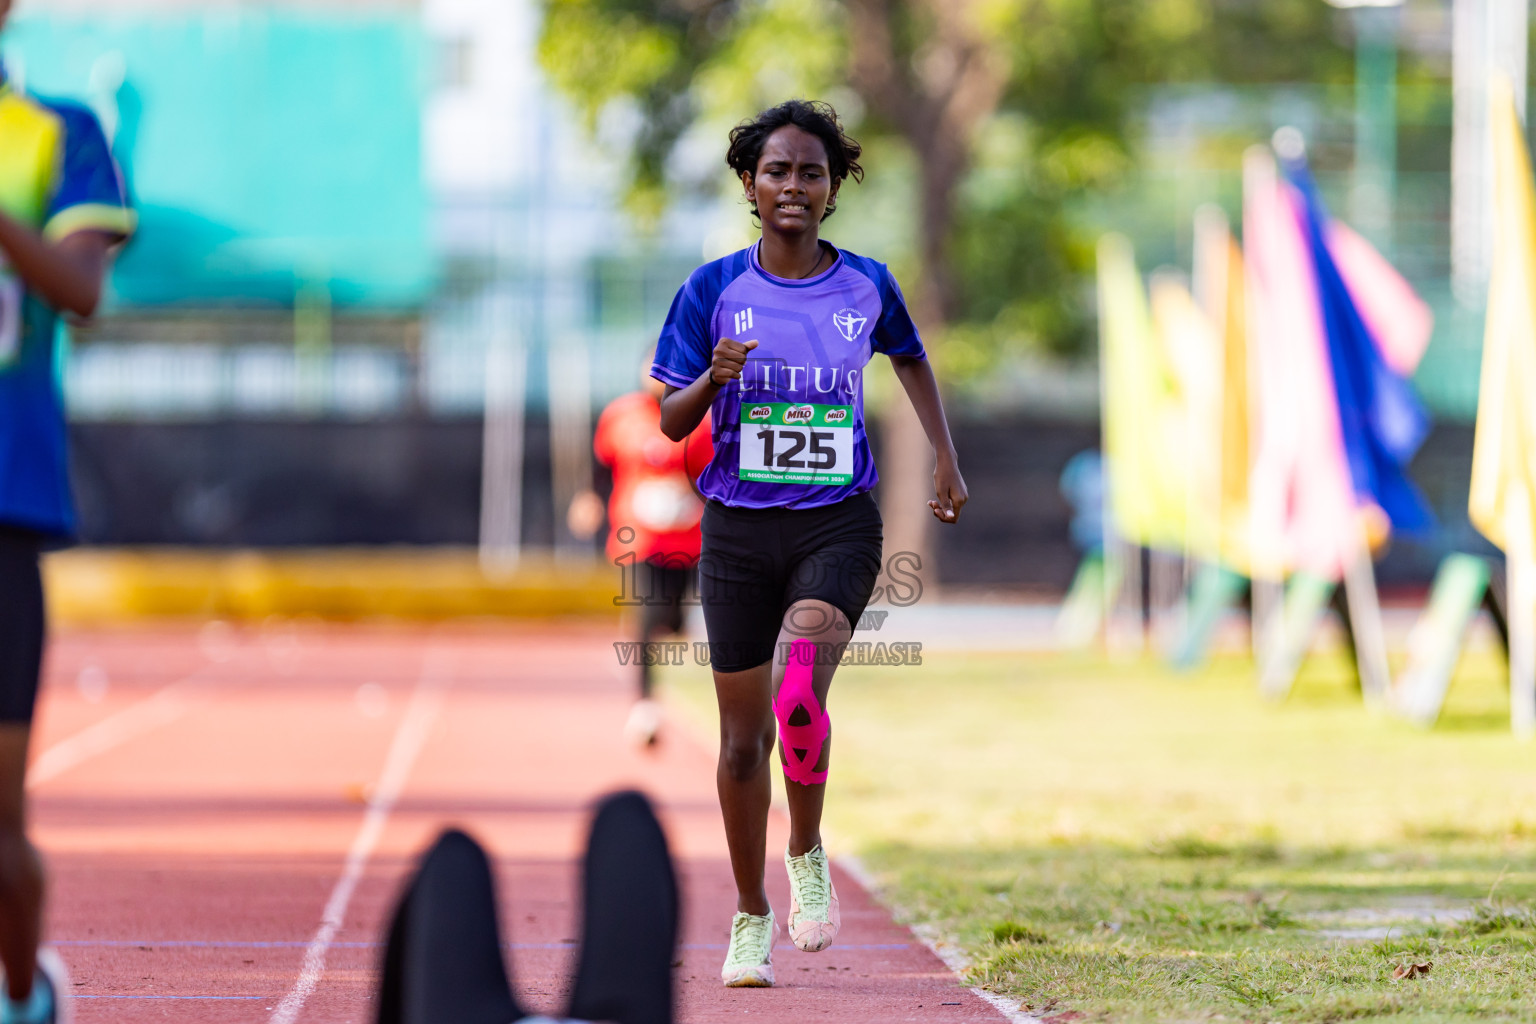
57 177
790 433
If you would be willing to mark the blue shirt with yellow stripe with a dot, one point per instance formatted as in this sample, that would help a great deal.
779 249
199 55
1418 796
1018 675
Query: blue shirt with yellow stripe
57 177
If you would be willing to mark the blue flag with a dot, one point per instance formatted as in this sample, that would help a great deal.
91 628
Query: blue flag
1382 422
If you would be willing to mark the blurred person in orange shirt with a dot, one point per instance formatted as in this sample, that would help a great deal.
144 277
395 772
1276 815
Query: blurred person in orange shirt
653 524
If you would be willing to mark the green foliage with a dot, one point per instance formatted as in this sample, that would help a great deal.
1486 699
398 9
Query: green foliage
1081 71
774 51
597 57
1013 931
679 63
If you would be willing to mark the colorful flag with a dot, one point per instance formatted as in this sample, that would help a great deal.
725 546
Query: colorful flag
1186 336
1504 449
1381 421
1396 317
1300 491
1145 426
1236 419
1219 283
1335 331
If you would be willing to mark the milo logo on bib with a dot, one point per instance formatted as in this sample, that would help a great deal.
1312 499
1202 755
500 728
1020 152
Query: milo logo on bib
797 443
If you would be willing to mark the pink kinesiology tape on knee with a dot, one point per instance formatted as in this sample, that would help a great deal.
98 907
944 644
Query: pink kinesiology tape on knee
802 743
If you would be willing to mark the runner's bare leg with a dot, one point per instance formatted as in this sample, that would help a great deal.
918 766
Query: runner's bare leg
21 870
744 778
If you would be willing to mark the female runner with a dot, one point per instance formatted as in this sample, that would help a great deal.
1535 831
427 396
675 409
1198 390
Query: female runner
773 340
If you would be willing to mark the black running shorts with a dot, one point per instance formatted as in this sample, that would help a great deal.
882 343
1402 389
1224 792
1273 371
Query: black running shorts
757 562
21 624
664 589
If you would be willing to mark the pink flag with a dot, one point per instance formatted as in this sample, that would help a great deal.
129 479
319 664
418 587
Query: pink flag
1399 321
1303 502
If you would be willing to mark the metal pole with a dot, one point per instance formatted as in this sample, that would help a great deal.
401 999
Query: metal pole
1488 38
501 478
1365 622
1520 567
1373 195
570 434
312 345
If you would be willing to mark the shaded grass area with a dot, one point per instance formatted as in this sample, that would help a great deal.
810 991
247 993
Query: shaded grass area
1190 932
1126 843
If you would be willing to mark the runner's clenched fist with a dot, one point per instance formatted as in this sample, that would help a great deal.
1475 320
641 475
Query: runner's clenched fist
729 357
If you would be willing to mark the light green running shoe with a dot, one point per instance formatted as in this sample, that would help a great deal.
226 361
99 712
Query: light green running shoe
749 962
814 917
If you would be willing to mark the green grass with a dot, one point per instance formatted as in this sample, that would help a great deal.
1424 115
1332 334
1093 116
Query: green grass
1123 842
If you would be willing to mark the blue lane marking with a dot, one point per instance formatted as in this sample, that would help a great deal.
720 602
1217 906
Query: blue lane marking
789 945
202 944
77 995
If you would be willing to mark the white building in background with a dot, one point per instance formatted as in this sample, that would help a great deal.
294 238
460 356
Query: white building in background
550 297
526 222
529 217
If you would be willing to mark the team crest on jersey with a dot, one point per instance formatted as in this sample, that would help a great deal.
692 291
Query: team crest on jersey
850 323
744 320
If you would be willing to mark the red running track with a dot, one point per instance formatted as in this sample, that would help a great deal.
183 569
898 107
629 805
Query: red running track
227 814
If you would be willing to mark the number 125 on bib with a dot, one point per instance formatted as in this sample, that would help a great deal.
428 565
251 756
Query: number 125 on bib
784 442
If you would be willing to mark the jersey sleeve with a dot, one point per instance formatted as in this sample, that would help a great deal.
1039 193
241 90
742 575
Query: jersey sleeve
683 352
895 334
90 195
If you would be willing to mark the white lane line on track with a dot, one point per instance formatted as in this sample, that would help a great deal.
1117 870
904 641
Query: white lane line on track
410 737
160 708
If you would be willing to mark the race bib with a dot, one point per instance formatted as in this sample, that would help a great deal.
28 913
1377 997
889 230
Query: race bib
789 443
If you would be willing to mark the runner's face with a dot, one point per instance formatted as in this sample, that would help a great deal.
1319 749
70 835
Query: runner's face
793 185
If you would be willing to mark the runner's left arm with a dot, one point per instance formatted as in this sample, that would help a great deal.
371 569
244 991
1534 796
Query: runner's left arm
922 389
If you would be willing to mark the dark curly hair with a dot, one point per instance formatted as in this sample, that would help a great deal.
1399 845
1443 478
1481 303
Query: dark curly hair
819 119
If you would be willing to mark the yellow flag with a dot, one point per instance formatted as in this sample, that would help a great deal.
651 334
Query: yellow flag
1190 429
1236 421
1220 284
1504 449
1143 444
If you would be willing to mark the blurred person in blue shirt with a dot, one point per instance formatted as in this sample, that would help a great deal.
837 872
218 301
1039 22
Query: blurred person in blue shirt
1082 484
63 211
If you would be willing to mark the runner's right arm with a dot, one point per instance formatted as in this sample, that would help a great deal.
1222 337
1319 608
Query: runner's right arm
68 274
682 409
64 260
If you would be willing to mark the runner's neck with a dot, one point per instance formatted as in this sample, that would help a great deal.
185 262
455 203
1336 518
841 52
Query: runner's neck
792 259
